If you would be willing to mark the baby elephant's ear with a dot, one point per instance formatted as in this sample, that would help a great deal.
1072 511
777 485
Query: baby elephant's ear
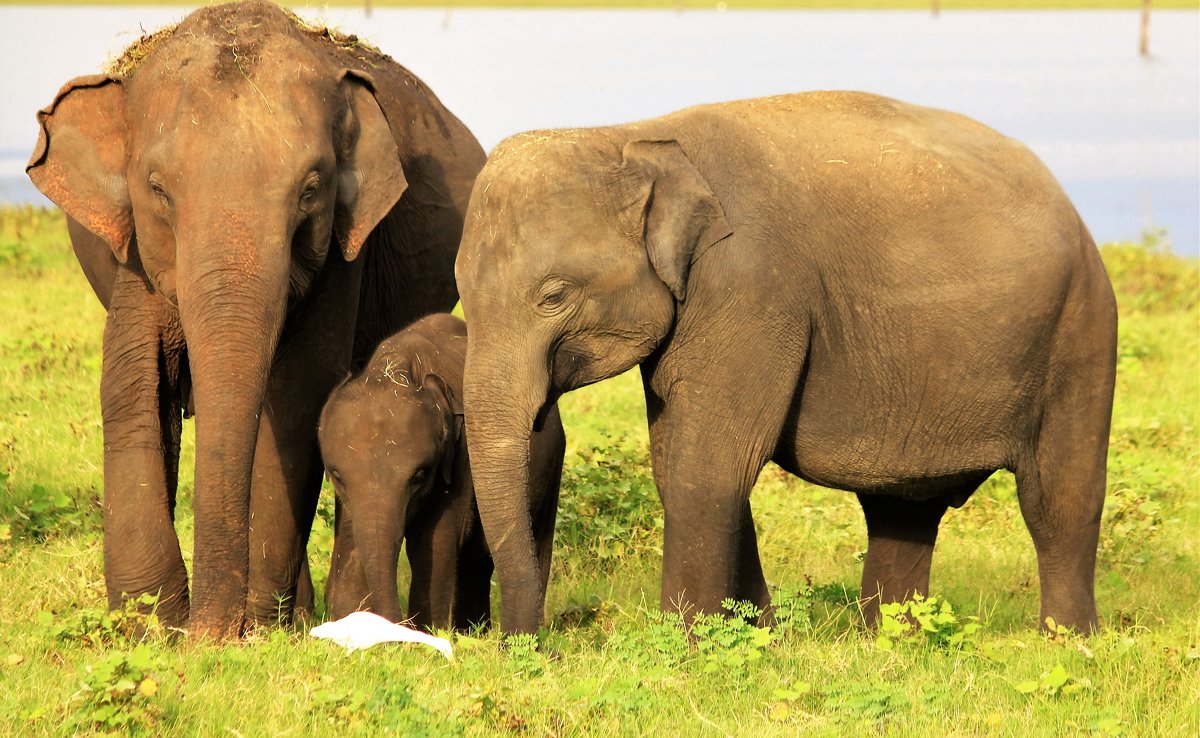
451 405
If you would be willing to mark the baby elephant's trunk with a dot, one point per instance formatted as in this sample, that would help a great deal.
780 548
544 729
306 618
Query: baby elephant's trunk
377 536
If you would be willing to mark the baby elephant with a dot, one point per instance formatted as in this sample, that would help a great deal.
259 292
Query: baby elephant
392 442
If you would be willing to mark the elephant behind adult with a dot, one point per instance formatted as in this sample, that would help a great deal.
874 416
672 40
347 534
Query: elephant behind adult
882 298
234 167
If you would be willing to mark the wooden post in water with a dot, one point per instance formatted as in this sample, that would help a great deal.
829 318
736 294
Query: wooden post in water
1145 35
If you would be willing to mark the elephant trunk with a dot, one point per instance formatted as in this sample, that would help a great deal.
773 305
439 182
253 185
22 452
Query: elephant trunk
502 403
378 532
232 300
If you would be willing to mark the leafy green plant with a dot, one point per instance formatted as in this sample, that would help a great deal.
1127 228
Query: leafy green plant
1106 723
387 707
842 702
523 655
609 507
491 703
119 693
871 702
730 643
99 628
41 514
793 610
659 644
1056 682
929 617
786 699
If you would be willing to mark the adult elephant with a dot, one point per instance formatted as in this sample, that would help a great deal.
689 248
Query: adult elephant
881 298
220 189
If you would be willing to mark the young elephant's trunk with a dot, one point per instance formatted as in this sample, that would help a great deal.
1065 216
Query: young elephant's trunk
378 532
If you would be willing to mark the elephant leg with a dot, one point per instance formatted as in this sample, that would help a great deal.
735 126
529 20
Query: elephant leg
704 482
434 542
283 498
900 538
751 583
715 412
1061 492
545 517
142 418
473 593
346 590
305 596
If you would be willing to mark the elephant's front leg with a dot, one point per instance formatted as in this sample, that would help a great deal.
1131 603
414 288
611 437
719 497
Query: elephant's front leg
286 482
142 414
704 472
314 354
433 547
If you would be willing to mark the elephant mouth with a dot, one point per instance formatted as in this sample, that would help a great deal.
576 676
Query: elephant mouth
539 420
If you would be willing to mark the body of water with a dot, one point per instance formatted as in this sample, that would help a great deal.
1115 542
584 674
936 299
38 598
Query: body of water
1121 132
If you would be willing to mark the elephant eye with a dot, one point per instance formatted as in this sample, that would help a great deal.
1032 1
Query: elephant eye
420 474
334 476
312 188
553 294
158 190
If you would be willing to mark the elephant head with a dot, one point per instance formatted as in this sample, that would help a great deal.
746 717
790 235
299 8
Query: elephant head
577 252
389 440
226 165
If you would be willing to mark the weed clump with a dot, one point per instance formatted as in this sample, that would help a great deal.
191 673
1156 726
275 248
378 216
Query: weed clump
118 694
609 508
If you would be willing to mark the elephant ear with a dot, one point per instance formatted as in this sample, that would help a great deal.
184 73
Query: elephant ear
80 159
681 217
451 404
370 177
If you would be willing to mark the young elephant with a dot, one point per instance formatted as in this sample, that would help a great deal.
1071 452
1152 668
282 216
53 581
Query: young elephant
393 444
882 298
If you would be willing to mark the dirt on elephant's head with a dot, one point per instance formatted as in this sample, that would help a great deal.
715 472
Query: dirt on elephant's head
234 21
135 53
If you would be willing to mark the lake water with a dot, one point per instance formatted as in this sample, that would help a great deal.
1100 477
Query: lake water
1120 131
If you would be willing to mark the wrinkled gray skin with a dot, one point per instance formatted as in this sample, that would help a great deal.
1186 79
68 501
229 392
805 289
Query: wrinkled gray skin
393 444
256 206
881 298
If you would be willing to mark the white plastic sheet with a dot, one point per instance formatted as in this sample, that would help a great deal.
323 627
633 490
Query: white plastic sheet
365 629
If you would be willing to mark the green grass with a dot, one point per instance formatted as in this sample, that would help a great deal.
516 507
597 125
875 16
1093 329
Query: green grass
946 5
609 665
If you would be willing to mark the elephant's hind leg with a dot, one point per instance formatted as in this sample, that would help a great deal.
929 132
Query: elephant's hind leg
1061 491
901 534
1061 484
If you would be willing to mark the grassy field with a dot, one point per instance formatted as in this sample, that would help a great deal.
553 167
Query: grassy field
945 5
608 664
